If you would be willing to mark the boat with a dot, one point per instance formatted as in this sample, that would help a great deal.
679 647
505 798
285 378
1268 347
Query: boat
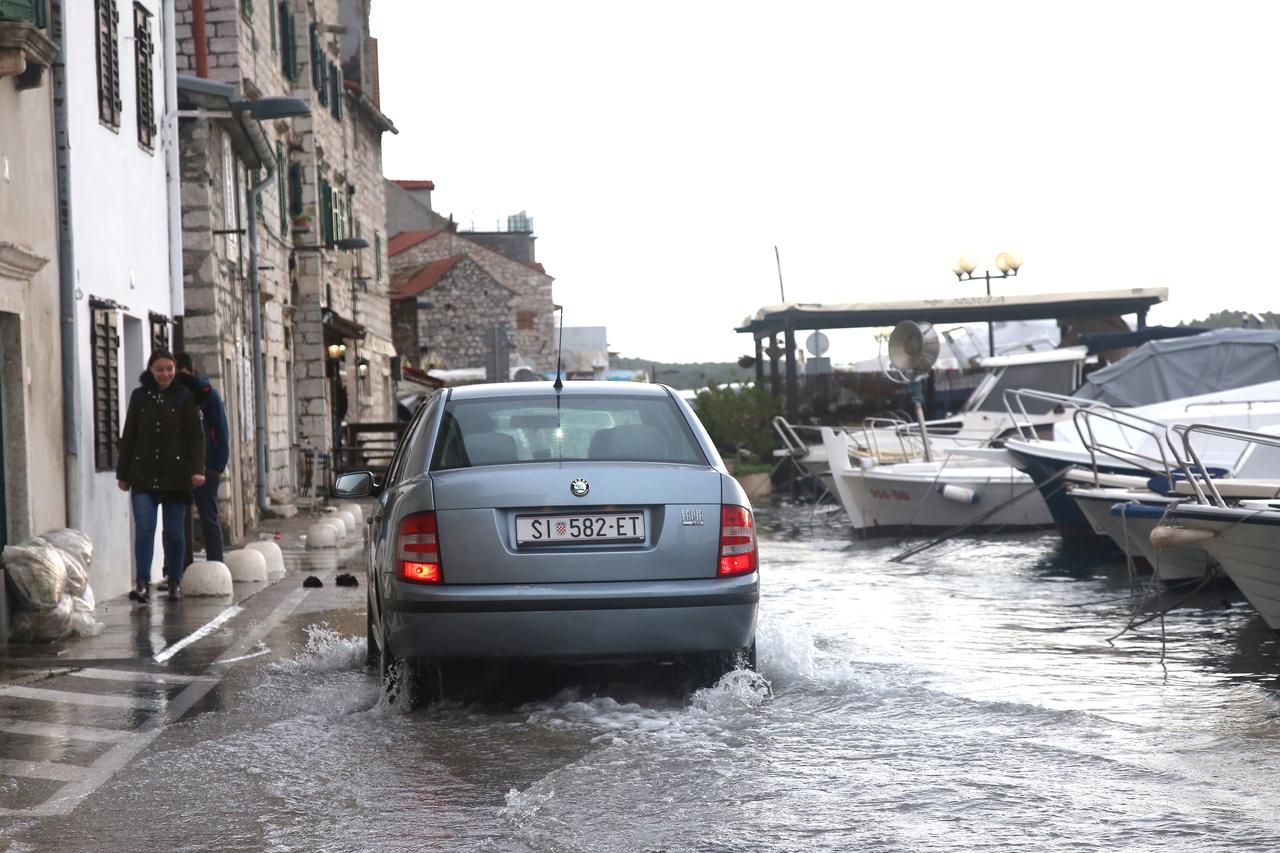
1237 523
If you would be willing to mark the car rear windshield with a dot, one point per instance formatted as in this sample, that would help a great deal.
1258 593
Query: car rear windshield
505 430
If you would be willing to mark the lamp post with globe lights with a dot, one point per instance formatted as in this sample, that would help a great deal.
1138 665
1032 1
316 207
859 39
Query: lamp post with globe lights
1008 263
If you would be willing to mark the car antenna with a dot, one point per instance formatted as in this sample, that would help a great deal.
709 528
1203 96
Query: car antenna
559 383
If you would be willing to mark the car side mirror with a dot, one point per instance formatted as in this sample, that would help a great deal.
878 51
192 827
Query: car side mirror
357 484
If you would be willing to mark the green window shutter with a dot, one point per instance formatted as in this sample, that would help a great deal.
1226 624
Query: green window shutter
25 10
377 255
326 213
281 194
275 40
246 9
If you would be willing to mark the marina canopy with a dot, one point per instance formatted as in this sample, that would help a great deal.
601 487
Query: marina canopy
794 316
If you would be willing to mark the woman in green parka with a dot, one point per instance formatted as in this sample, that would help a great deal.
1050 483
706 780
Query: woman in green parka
161 460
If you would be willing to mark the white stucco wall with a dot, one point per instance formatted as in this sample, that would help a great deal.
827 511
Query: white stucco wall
119 219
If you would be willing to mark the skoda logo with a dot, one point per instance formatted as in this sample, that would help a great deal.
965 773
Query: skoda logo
579 488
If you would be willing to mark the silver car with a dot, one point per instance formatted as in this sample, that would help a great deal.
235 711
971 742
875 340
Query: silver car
596 522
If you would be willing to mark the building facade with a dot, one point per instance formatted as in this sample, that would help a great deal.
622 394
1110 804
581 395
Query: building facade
318 214
31 410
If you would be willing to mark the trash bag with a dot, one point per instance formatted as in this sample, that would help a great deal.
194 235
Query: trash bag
77 553
52 623
82 621
38 572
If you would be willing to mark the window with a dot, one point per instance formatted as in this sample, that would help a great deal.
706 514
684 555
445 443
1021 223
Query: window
143 51
318 79
281 194
229 221
554 428
271 25
326 213
159 331
296 207
246 9
104 344
335 91
288 42
109 105
25 10
377 255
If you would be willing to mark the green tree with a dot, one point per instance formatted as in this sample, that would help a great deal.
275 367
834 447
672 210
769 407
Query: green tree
739 418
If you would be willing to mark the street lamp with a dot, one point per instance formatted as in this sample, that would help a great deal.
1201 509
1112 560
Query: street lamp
1007 262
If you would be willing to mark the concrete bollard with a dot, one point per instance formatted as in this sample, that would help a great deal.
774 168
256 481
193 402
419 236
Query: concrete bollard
356 512
322 535
339 527
206 578
348 521
273 555
247 566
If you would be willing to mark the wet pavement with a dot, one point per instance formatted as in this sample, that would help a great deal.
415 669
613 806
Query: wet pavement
971 698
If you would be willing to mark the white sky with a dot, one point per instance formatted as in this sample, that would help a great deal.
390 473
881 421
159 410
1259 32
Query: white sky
664 148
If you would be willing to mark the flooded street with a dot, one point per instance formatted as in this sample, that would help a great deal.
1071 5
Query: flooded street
966 699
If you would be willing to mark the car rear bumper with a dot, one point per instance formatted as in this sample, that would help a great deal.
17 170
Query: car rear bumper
573 620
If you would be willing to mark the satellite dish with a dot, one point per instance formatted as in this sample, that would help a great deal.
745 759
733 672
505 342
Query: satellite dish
817 344
913 347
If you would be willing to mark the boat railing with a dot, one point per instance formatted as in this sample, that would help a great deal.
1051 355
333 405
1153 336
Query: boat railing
1155 461
1015 403
1200 475
910 443
790 435
1247 404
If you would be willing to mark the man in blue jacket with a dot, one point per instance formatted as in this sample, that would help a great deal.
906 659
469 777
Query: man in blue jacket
217 450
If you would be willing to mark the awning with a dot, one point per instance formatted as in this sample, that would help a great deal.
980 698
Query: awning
337 326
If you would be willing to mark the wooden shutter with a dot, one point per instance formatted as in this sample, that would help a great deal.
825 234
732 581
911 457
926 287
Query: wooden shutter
296 206
108 20
25 10
159 331
326 213
319 75
143 53
105 354
377 255
246 9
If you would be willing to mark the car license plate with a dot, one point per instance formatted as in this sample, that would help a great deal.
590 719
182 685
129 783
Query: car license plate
557 529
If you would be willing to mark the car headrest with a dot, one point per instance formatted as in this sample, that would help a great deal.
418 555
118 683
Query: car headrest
490 448
636 441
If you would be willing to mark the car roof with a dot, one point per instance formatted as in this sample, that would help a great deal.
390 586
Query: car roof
585 388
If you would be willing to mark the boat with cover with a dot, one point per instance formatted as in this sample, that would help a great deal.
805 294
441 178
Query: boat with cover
1229 377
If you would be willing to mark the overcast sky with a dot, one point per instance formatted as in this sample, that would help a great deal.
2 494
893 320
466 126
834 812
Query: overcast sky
664 148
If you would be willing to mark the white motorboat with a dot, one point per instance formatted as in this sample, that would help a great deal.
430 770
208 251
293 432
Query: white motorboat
1128 516
1236 522
930 496
983 418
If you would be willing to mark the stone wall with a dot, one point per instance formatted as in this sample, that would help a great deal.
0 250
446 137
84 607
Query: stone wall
534 329
454 316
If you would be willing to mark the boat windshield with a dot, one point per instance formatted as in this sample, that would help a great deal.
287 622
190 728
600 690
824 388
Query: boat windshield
1055 377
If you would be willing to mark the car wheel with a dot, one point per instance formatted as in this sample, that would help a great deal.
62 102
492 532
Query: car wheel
747 657
372 655
707 669
391 675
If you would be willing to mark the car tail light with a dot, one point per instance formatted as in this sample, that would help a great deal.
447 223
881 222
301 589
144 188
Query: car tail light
737 541
418 549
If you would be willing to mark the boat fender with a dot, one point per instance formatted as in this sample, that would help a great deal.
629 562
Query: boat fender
959 494
1172 537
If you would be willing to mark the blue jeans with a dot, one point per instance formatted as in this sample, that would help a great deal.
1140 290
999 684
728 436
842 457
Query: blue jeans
145 507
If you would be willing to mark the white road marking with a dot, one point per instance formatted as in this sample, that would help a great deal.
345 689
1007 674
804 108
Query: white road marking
133 676
244 657
116 758
44 694
41 770
199 634
59 731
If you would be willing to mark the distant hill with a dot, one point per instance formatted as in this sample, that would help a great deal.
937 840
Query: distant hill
1237 320
695 375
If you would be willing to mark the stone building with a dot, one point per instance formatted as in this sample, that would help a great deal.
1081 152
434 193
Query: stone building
31 411
441 313
533 327
321 272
